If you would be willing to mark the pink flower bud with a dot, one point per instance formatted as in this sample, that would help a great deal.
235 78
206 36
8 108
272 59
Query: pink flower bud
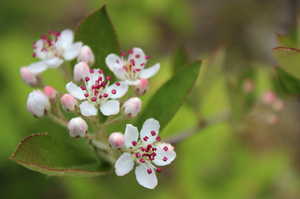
269 97
38 103
51 93
142 88
116 140
69 103
81 70
77 127
132 107
86 55
33 80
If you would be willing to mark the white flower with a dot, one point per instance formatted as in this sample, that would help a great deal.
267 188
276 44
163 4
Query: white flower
132 69
54 51
145 153
97 92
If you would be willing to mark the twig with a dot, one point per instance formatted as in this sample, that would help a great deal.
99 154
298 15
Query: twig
58 120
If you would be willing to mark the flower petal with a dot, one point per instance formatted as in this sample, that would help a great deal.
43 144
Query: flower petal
75 91
88 108
149 72
66 38
37 67
111 61
150 125
131 134
144 178
121 90
161 153
133 83
54 62
140 59
111 107
124 164
118 72
72 51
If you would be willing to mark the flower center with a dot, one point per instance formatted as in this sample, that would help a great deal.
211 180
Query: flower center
48 46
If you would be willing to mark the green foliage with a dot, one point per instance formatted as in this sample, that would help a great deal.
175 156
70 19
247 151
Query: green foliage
288 83
180 58
52 156
171 96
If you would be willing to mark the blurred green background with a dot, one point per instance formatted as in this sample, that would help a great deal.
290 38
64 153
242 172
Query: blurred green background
224 161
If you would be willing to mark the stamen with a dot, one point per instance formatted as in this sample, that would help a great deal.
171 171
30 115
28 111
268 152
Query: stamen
86 94
158 169
105 95
153 154
158 138
44 37
103 83
149 171
50 32
87 79
94 99
165 159
131 51
56 34
149 146
33 54
147 57
137 56
153 133
145 138
117 61
91 70
138 155
151 158
142 149
142 160
82 88
154 149
100 96
114 91
134 143
142 64
123 54
118 84
108 77
165 148
100 71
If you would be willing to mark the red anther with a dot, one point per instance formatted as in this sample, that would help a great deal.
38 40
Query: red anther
94 99
149 146
158 169
82 88
50 32
165 159
113 91
94 87
33 54
147 57
145 154
158 138
105 95
138 155
151 158
132 62
91 70
137 56
131 51
142 149
100 71
43 49
103 83
142 160
117 61
149 171
146 150
125 68
100 96
142 64
56 34
165 148
134 143
86 94
145 138
44 37
96 93
154 149
87 79
100 78
108 77
153 133
34 47
153 154
118 84
49 42
123 54
138 70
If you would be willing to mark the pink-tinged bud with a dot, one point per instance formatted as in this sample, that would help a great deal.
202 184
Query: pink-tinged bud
81 71
116 140
69 103
278 105
86 55
77 127
38 103
51 93
132 107
269 97
33 80
248 85
142 88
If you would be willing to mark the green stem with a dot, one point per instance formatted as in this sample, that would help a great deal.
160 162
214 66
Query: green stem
58 120
66 73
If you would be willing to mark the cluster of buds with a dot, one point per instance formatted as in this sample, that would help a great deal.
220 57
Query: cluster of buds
276 105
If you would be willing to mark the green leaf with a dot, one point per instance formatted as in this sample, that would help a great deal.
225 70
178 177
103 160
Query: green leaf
290 84
97 31
288 59
180 59
285 41
170 97
52 156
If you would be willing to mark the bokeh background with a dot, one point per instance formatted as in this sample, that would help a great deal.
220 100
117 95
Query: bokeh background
227 161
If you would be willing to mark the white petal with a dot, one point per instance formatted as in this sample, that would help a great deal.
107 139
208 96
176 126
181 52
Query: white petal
131 134
111 61
124 164
150 125
75 91
144 178
121 90
88 108
72 51
140 60
111 107
132 83
37 67
119 73
66 38
149 72
161 153
54 62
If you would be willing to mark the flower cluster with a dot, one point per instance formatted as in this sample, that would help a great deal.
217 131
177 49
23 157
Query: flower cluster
89 89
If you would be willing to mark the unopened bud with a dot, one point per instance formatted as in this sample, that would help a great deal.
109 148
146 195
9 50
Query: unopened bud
81 70
142 88
33 80
38 103
51 93
116 140
69 103
86 55
77 127
248 85
269 97
132 107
